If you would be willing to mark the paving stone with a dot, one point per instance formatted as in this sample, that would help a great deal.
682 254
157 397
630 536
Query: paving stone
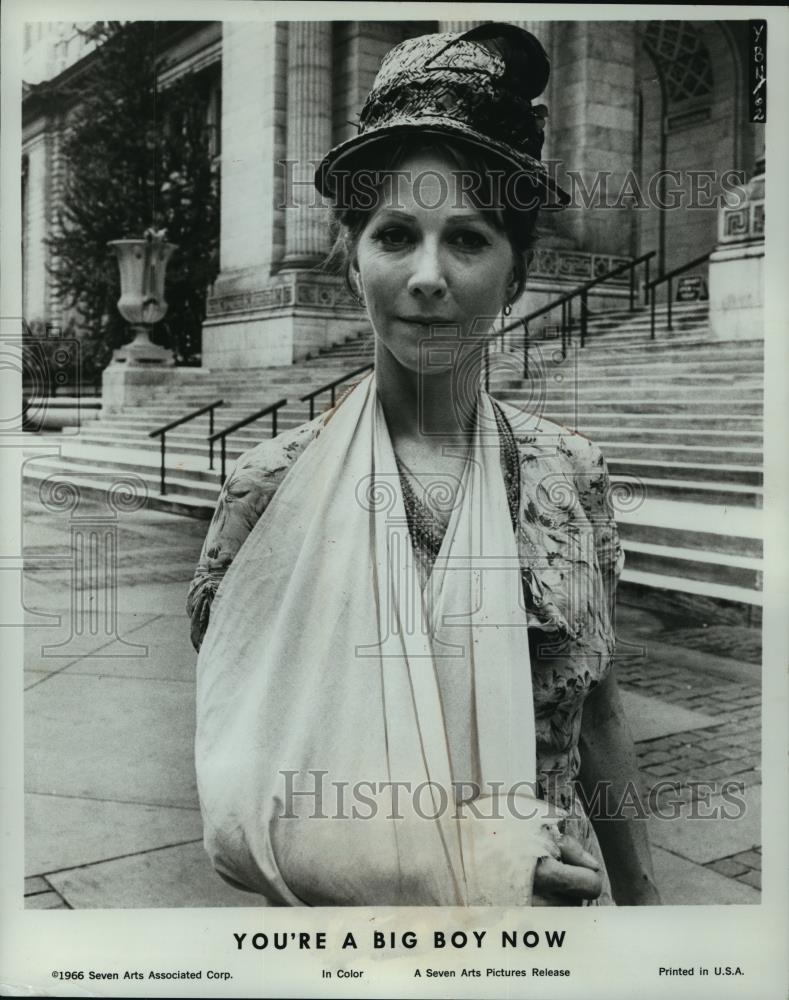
661 770
167 654
172 877
692 740
651 717
56 647
45 901
705 839
111 738
739 766
691 752
750 858
656 757
683 883
158 598
64 832
715 743
36 884
728 867
33 677
751 878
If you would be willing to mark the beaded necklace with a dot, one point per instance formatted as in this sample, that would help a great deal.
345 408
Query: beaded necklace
426 530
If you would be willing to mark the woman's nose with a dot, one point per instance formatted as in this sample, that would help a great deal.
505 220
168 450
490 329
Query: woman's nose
427 278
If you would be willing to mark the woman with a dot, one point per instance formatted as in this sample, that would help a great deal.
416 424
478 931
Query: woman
418 607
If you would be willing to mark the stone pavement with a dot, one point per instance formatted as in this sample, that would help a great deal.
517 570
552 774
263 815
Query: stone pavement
111 814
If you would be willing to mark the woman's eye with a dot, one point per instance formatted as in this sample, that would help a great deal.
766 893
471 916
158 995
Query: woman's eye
468 239
393 237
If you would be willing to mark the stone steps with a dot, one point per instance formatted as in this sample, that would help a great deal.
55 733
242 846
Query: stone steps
678 418
596 420
671 536
693 564
705 436
189 466
701 601
723 394
592 423
694 491
184 496
660 406
634 469
680 453
703 548
587 367
669 563
672 461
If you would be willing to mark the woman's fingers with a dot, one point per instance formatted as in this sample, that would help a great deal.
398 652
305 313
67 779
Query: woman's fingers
573 854
568 881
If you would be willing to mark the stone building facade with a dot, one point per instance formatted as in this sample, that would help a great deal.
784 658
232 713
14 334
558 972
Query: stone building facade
642 115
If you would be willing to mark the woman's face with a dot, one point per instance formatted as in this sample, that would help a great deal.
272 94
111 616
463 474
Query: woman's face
430 262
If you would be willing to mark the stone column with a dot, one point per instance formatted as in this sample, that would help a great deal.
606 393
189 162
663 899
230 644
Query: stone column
309 124
593 126
254 57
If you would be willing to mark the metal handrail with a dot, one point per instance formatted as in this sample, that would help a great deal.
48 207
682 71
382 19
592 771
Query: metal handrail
222 435
565 302
332 386
650 287
208 408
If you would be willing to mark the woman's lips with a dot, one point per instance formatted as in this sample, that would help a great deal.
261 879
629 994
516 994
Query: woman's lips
427 320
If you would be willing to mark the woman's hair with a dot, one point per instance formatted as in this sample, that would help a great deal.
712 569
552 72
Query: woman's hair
493 187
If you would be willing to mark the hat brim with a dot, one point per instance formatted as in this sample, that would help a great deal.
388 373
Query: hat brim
344 158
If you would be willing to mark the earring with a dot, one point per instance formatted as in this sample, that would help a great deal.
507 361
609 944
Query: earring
507 309
357 290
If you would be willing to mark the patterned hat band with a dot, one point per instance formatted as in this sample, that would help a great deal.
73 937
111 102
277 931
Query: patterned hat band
509 120
476 86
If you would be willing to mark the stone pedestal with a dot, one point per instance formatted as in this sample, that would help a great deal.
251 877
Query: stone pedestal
122 387
737 292
141 353
292 315
736 275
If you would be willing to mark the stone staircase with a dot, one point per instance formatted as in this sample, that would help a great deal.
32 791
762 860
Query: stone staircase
679 419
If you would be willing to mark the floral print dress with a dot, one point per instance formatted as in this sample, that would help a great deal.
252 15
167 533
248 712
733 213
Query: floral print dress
571 559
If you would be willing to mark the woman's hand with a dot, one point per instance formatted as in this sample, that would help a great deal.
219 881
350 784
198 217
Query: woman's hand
568 881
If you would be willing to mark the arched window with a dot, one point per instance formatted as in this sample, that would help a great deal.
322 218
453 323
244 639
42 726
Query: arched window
682 59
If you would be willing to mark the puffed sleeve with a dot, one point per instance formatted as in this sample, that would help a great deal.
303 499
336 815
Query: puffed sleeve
245 495
594 491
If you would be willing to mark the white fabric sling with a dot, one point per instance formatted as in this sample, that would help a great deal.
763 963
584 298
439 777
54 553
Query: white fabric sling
327 671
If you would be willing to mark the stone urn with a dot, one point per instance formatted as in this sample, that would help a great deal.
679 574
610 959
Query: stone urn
143 265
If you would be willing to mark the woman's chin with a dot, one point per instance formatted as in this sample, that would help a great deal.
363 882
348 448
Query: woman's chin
417 357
